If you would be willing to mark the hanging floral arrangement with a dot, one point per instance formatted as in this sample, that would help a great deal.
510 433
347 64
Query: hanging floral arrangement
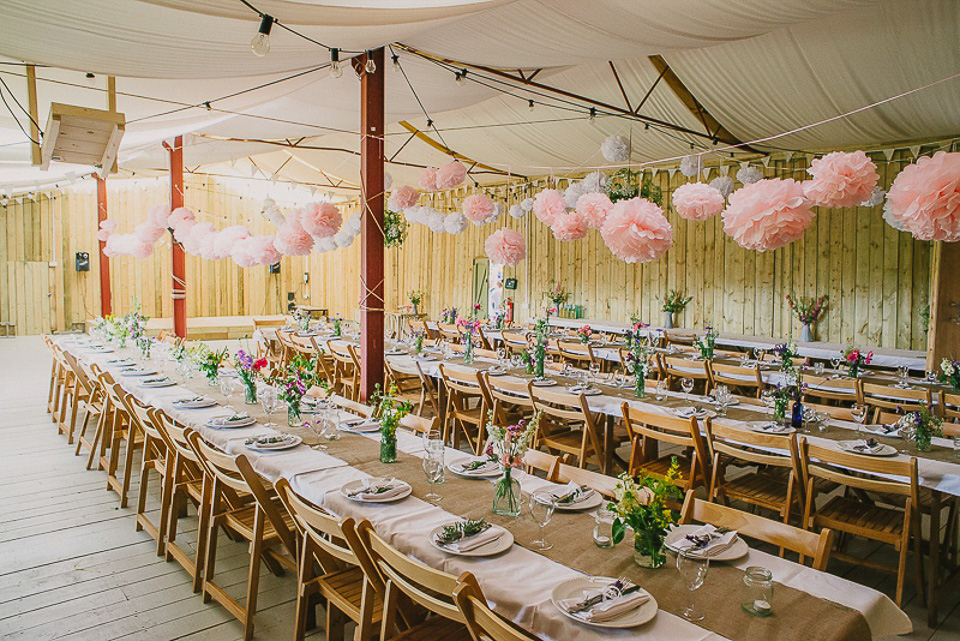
394 228
624 184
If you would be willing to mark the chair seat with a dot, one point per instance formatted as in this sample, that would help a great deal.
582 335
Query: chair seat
472 416
861 518
345 589
569 441
435 629
757 488
241 520
660 467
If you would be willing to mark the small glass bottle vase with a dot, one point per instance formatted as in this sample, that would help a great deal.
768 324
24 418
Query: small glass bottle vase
250 394
648 550
293 415
468 349
388 448
506 495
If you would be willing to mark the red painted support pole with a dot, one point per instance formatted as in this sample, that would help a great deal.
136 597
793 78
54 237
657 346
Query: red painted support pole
371 233
178 289
105 296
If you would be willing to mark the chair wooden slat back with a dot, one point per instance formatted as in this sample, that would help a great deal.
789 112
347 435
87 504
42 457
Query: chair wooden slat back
647 429
537 460
511 394
737 377
856 471
449 332
350 405
323 528
576 353
950 405
514 340
419 424
562 415
894 399
802 542
846 390
678 368
605 485
752 447
220 465
483 623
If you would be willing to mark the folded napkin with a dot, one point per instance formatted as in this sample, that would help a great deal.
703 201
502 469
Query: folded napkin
469 543
864 447
687 412
194 402
572 493
487 467
237 420
708 539
606 609
379 489
362 425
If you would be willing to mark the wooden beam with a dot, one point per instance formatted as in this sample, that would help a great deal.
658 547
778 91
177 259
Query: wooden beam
943 340
178 287
450 152
371 233
714 129
112 107
623 92
35 157
105 295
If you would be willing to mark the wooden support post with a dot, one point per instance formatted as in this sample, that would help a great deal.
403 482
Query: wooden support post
371 233
105 296
943 340
34 114
178 289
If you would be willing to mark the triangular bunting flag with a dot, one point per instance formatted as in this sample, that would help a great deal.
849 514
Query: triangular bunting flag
888 154
915 150
765 161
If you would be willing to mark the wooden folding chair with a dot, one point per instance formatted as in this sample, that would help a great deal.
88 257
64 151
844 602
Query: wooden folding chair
466 409
86 397
841 391
950 406
155 459
404 583
567 426
740 380
605 485
483 623
510 399
420 425
649 429
783 535
676 369
535 460
124 435
449 333
514 340
340 581
886 398
346 372
576 354
350 405
409 386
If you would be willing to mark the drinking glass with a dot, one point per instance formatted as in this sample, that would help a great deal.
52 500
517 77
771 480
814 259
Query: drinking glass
542 504
432 464
270 402
432 440
686 384
502 357
722 396
330 418
594 370
693 565
903 373
744 359
603 528
835 362
818 368
859 414
227 387
661 392
316 426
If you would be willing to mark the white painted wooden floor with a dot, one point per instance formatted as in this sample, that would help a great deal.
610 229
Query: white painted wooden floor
72 566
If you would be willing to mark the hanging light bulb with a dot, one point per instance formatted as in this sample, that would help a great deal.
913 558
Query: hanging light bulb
336 70
461 76
260 45
530 104
593 114
396 62
91 79
370 66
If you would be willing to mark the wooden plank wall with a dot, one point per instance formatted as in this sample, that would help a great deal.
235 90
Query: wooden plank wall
877 278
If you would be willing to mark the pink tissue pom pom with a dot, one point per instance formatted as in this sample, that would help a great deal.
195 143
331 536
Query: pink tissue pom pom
549 204
183 229
291 239
148 232
179 215
402 197
451 175
428 179
925 197
112 247
636 230
207 248
841 179
103 235
593 208
767 214
108 225
158 215
505 247
226 239
191 242
570 226
696 201
255 250
140 249
321 220
479 209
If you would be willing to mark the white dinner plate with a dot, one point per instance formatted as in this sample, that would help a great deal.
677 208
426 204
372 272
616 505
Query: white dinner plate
549 382
497 546
100 350
455 469
425 357
883 450
574 589
360 425
353 486
700 414
220 423
763 427
194 404
738 550
164 382
290 441
592 500
138 371
496 370
588 391
394 352
121 362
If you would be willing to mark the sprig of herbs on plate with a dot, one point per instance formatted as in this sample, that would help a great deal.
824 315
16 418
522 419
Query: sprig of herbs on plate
573 495
461 530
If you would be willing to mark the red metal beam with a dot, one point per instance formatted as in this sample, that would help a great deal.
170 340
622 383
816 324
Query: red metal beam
371 233
105 296
178 288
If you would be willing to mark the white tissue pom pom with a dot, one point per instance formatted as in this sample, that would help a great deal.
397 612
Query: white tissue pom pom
593 182
327 244
516 211
414 214
526 204
455 223
615 149
690 165
572 194
387 181
723 184
876 197
749 175
343 238
353 223
892 220
499 206
435 221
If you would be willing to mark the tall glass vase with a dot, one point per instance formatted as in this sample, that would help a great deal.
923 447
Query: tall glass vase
639 385
468 349
506 495
648 549
293 415
250 393
388 447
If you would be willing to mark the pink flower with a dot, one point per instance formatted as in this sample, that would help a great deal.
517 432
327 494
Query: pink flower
321 220
549 204
291 239
841 179
505 247
402 197
428 179
696 201
767 214
570 226
593 208
869 357
636 230
925 197
479 209
451 175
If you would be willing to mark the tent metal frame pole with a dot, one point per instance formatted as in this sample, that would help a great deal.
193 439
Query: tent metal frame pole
106 306
178 288
371 232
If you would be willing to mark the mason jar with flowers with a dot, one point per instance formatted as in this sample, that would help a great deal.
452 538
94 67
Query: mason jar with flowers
209 361
856 359
641 503
707 343
507 445
391 410
249 369
921 426
298 377
467 329
537 348
950 373
584 333
638 358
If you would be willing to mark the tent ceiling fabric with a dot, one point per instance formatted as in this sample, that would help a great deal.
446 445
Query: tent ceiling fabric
759 67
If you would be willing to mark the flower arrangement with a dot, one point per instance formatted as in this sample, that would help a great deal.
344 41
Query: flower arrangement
856 359
922 426
807 310
418 335
499 317
641 503
674 301
507 445
249 369
786 352
950 373
624 184
783 393
293 382
556 294
394 228
390 410
337 322
707 343
210 361
467 329
537 348
584 333
415 297
448 316
638 359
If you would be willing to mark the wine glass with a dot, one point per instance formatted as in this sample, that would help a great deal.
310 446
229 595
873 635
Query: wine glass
686 384
835 362
502 358
227 387
722 397
859 414
432 440
693 565
661 391
542 504
594 370
316 426
432 464
903 372
818 368
270 402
